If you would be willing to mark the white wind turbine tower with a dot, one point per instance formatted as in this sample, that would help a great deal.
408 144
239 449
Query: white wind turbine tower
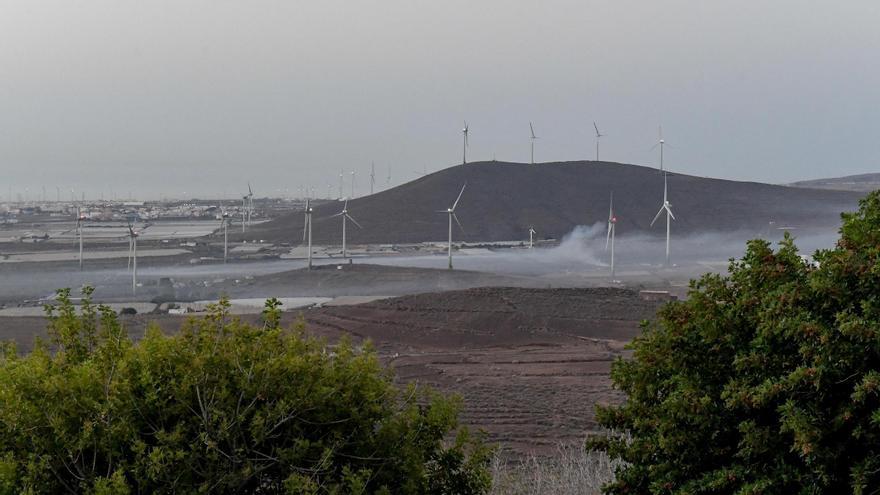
531 237
352 183
660 142
666 206
599 135
341 181
451 213
464 133
345 216
612 224
533 138
307 229
244 209
132 236
224 221
80 218
250 204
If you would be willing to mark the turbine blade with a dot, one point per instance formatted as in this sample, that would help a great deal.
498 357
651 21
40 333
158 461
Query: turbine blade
597 129
532 129
658 215
353 220
608 237
459 223
459 196
670 211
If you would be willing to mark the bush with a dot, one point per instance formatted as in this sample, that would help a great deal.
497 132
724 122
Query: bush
221 407
571 470
766 380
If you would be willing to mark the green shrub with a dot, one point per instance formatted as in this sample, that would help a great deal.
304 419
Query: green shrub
766 380
221 407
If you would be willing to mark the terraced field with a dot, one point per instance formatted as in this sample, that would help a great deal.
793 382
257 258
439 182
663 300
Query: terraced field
529 363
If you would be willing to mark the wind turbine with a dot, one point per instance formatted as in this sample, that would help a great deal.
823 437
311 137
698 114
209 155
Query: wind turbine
250 204
667 206
531 237
372 176
612 224
132 236
225 223
307 229
464 133
451 213
344 214
341 180
80 218
598 136
352 183
245 208
533 138
660 142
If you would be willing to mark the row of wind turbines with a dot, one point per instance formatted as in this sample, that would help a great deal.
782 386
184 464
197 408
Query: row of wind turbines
344 214
665 207
532 138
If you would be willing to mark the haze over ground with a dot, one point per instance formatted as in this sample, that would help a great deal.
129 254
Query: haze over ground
183 99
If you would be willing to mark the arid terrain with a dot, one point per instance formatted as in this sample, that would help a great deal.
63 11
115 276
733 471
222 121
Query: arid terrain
530 364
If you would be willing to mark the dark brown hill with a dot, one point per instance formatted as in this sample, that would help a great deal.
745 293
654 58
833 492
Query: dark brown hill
503 199
861 182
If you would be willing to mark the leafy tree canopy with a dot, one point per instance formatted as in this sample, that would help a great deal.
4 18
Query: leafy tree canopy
220 407
766 380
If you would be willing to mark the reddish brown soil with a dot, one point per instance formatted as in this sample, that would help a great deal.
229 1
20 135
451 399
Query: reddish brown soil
530 364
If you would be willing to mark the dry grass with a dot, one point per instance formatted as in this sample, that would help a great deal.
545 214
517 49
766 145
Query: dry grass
572 470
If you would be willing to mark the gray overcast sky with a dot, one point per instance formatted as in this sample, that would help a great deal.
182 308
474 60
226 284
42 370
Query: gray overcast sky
169 96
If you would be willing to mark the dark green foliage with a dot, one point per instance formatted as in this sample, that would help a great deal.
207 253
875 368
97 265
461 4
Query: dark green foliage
222 407
764 381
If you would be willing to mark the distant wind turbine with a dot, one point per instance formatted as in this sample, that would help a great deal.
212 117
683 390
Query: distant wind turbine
247 204
599 135
660 142
464 133
533 138
345 216
612 224
352 184
80 218
372 176
531 237
666 206
307 229
225 223
132 235
341 182
451 212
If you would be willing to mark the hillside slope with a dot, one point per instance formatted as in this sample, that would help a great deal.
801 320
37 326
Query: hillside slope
861 182
503 199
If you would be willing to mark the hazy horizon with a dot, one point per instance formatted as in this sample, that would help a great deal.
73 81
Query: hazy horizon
195 99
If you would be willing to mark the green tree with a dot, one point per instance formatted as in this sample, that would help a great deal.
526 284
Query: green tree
220 407
766 380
